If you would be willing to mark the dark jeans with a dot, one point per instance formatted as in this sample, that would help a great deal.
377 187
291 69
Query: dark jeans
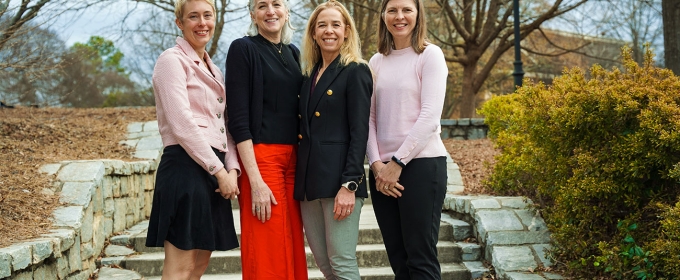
410 224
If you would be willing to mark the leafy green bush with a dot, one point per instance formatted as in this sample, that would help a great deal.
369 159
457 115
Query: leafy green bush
598 154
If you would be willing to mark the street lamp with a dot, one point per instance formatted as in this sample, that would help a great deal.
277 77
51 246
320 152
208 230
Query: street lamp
518 73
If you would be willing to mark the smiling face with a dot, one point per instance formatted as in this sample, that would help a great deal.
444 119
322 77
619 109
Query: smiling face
400 17
270 16
197 24
330 31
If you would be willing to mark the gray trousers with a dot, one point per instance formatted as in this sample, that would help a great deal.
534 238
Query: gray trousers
333 243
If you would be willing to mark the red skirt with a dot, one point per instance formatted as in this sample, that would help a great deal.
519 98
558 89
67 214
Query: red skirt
274 249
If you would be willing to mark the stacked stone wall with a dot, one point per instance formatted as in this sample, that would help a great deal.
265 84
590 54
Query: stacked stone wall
464 129
100 198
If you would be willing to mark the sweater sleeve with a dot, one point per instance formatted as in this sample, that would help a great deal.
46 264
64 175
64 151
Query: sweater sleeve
433 72
238 83
372 151
170 87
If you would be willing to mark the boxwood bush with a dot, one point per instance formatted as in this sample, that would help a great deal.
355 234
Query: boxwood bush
599 154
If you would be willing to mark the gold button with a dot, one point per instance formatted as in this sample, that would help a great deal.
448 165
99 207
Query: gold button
317 114
222 129
299 136
224 145
329 92
219 115
220 100
299 116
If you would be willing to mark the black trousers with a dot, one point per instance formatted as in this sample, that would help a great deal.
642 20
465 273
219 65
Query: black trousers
410 224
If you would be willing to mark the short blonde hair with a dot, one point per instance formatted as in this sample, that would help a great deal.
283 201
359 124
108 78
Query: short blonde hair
286 31
179 7
350 51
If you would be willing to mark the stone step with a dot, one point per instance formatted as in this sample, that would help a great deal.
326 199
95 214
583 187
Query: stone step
369 233
370 255
449 271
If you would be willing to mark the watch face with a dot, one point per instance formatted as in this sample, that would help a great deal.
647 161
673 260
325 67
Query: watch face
353 186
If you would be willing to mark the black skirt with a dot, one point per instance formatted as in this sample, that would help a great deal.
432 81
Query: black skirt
186 210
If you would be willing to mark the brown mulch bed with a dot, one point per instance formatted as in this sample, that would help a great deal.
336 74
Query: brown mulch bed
475 159
32 137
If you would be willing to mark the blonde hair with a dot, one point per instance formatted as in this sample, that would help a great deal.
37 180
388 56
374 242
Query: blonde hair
179 7
418 37
350 51
286 31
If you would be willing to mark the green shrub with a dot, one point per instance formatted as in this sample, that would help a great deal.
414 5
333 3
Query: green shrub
598 154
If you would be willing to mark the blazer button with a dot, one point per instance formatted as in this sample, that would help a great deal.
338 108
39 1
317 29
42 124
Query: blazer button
222 129
329 92
220 100
300 136
224 145
298 96
317 114
219 115
299 116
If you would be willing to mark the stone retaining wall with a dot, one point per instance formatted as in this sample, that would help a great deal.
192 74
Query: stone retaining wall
100 197
464 129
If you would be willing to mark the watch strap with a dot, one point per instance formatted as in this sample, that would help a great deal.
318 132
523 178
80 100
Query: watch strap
398 161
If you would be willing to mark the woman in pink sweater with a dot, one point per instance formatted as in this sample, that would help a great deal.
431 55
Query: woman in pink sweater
405 151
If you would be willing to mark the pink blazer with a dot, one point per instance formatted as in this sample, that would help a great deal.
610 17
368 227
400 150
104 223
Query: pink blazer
190 107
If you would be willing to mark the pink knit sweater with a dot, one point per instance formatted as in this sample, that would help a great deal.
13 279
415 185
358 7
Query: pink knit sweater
406 105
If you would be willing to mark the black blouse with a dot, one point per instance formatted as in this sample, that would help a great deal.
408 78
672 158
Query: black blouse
282 81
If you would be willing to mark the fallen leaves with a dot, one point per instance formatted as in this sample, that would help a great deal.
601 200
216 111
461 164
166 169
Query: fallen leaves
32 137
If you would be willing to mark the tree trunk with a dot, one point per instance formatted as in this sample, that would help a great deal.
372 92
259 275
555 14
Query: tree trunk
468 92
671 34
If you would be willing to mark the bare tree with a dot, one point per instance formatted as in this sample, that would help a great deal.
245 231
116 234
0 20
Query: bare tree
27 61
671 32
481 32
149 38
29 52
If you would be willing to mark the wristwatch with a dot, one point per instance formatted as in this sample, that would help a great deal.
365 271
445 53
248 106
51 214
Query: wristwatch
351 186
398 161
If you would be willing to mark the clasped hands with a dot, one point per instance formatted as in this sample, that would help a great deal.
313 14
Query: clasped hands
387 177
227 183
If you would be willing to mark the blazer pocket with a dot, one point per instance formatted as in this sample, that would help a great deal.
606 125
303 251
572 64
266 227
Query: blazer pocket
201 121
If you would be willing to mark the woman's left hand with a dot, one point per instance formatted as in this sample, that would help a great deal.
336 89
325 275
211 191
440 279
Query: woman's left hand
344 204
227 183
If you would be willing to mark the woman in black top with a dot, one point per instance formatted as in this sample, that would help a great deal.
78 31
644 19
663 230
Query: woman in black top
263 80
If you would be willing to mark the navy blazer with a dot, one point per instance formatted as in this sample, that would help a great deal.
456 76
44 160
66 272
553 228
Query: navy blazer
333 131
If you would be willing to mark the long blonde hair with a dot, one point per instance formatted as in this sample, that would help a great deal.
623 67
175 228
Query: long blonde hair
350 51
286 31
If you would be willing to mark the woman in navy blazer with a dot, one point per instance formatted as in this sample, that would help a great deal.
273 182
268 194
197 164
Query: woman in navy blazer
334 111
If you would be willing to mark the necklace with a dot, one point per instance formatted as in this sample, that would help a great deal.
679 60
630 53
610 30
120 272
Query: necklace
277 48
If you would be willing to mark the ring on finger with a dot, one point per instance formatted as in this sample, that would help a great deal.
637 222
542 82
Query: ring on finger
348 212
385 187
257 208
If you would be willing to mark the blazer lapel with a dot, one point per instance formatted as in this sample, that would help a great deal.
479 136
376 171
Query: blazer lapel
304 103
327 78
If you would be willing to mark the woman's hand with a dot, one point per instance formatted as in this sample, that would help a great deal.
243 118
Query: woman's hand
344 204
387 177
262 199
227 184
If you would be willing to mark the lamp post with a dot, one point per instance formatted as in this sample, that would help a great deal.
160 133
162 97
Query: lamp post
518 73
